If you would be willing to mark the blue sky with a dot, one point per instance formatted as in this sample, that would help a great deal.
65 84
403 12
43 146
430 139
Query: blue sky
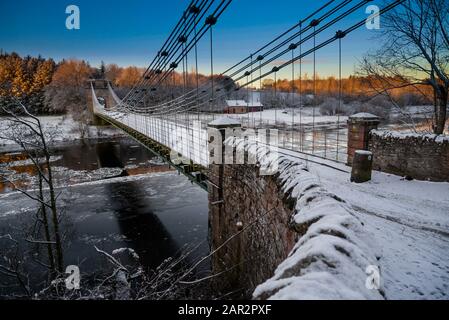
130 32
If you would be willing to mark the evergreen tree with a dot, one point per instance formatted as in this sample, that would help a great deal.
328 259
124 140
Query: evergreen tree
26 79
43 75
20 83
102 70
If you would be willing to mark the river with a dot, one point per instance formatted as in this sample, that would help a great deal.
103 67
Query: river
113 194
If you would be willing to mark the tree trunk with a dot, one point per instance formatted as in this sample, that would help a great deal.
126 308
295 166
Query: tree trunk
53 206
54 209
51 258
55 218
442 95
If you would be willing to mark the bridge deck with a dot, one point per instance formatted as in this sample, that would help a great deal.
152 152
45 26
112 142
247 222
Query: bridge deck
183 147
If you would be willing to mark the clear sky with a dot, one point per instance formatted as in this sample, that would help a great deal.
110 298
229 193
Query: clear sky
130 32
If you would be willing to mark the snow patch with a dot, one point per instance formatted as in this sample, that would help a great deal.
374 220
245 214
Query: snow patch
364 152
364 115
123 250
384 134
61 129
223 121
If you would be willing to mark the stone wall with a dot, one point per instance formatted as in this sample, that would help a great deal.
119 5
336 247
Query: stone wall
284 236
258 205
422 157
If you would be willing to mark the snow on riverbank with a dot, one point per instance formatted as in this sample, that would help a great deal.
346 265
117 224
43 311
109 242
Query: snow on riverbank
305 116
64 129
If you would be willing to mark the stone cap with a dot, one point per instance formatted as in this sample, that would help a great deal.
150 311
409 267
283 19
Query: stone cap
224 122
364 152
364 116
97 83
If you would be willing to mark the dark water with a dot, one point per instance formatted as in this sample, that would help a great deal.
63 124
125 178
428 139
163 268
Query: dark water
147 208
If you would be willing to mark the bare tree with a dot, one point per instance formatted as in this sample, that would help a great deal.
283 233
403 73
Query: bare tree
414 53
27 131
12 264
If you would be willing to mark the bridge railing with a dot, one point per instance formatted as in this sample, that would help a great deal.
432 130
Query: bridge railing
186 137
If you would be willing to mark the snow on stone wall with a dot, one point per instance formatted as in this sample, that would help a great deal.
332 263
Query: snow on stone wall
419 156
406 135
330 257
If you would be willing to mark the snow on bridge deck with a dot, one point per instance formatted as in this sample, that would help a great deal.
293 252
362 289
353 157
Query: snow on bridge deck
186 138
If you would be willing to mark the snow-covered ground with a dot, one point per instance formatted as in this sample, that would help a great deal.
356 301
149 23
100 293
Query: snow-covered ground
289 116
413 111
407 223
307 115
64 127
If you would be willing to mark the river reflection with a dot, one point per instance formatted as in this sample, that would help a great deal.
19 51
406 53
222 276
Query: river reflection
144 231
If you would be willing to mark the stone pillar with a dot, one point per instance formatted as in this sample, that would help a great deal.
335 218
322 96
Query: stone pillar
359 127
216 135
219 224
101 90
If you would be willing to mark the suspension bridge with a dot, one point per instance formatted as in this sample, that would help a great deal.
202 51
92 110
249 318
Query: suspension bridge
169 122
289 217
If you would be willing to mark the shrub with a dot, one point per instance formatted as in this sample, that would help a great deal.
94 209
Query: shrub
378 105
331 106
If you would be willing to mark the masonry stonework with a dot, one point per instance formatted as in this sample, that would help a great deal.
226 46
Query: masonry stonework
359 127
416 156
262 226
256 204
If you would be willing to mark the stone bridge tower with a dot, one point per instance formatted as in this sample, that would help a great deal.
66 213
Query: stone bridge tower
101 89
